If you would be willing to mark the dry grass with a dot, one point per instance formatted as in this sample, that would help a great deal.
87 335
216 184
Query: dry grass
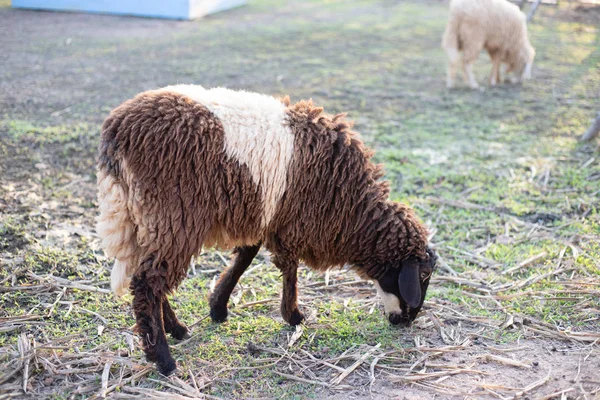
509 194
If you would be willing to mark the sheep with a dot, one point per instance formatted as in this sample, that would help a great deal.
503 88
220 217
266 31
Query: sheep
496 25
184 167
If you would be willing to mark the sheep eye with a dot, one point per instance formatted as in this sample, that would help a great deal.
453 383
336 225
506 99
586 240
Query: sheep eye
425 275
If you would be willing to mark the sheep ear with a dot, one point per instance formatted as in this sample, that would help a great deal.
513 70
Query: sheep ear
408 282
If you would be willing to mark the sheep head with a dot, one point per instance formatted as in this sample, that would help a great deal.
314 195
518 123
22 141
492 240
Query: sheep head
404 287
521 63
529 56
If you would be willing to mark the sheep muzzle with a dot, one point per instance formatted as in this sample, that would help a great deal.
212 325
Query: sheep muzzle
400 319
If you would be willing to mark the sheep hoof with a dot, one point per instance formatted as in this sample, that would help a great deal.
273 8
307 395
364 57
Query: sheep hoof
296 318
168 367
186 335
180 333
218 314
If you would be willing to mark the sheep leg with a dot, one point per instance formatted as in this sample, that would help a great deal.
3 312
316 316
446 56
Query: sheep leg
289 297
469 75
228 280
172 325
498 72
453 61
148 309
495 75
469 56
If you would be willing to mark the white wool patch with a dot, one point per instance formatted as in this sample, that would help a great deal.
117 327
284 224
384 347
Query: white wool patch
119 279
116 231
256 135
390 302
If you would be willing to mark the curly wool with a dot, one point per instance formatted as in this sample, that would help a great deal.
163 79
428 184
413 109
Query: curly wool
168 186
184 168
336 209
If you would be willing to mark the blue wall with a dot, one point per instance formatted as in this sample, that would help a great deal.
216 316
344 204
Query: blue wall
176 9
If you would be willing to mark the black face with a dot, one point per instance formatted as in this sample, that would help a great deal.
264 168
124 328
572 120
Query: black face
404 288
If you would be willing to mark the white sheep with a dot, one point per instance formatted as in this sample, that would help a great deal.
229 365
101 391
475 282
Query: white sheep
496 25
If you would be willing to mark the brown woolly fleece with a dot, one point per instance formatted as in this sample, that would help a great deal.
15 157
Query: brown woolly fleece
172 181
336 211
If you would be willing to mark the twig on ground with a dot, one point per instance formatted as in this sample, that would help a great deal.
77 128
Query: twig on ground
594 129
299 379
504 360
556 394
100 317
525 262
255 303
348 371
533 386
24 350
297 334
104 379
428 375
62 282
124 382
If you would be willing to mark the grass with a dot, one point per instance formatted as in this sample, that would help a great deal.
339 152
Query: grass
498 175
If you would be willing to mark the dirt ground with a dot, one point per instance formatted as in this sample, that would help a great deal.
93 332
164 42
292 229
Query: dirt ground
509 194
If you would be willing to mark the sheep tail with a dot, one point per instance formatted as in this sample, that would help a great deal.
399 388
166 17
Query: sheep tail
116 230
119 279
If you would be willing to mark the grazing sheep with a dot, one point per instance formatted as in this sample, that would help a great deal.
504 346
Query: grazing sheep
183 168
496 25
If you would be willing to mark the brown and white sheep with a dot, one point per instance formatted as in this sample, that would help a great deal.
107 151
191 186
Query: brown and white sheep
181 168
497 26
